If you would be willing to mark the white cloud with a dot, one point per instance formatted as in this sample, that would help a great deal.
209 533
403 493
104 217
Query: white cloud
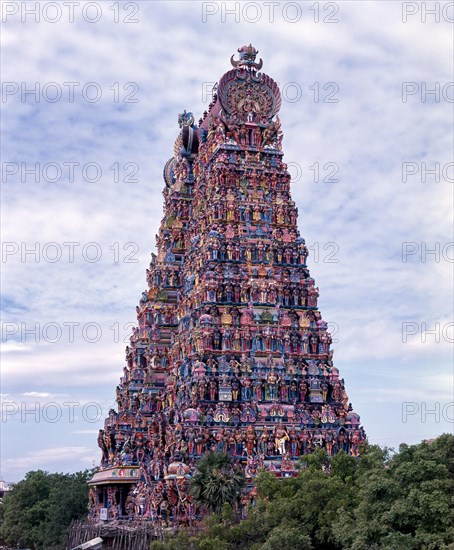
368 214
38 394
58 457
8 347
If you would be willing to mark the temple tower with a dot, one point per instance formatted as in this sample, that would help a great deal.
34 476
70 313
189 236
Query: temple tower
231 352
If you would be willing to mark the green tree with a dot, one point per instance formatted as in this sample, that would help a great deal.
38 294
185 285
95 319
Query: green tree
39 509
405 501
216 482
381 501
287 535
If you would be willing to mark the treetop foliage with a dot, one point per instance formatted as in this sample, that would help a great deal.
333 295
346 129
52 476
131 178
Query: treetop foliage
380 501
38 510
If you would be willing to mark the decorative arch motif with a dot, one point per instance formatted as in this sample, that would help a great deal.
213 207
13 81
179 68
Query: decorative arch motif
248 97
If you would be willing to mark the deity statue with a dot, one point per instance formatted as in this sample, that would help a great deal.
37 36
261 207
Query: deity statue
280 438
271 386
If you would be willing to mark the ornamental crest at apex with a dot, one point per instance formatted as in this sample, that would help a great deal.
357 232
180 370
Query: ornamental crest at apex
246 95
247 58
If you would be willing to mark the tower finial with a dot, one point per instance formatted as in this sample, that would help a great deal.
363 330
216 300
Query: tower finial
247 58
185 119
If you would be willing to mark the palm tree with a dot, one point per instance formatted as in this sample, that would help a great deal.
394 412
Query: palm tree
216 481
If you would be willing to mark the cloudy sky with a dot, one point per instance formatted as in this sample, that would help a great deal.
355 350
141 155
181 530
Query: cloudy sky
90 97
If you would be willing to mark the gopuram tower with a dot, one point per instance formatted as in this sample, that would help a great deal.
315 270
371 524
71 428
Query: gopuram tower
230 352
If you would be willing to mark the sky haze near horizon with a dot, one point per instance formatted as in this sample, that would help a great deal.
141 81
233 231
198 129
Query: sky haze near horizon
91 95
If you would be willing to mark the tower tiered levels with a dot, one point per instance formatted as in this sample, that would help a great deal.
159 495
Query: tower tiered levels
230 352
